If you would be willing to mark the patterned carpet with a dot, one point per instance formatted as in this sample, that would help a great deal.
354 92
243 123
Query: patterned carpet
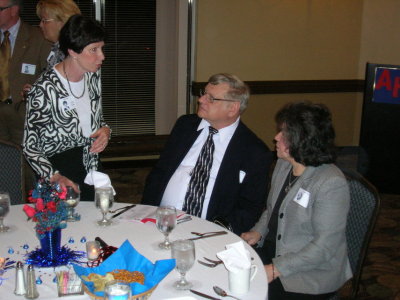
381 275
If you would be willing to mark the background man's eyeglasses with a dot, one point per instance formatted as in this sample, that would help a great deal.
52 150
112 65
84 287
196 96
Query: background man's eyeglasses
4 8
45 21
211 99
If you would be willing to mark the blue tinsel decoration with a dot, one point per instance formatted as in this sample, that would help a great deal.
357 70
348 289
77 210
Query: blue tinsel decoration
64 256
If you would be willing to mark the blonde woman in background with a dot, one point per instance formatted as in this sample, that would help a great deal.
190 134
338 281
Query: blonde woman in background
53 14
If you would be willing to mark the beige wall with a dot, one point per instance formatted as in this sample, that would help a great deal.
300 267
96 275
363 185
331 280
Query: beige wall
380 42
297 40
279 39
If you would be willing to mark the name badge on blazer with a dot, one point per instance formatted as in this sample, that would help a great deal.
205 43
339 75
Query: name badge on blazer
67 104
302 197
28 69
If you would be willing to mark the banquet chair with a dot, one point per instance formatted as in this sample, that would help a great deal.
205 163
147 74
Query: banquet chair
363 213
12 174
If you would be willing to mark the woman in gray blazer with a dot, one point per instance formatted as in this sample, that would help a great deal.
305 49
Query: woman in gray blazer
302 231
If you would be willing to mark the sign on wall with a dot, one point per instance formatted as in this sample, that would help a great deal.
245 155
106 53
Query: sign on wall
380 126
386 88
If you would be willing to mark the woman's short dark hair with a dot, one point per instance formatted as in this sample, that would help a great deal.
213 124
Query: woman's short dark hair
78 32
308 131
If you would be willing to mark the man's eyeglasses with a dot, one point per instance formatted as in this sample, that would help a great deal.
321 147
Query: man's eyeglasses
211 99
4 8
45 21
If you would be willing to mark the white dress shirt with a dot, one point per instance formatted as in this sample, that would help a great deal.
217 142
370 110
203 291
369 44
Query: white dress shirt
81 105
175 192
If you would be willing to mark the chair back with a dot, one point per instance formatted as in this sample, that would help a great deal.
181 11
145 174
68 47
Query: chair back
12 175
363 213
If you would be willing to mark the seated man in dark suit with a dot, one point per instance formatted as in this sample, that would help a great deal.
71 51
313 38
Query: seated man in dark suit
213 166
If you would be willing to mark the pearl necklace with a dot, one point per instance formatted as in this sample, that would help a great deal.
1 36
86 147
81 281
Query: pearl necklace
69 85
291 183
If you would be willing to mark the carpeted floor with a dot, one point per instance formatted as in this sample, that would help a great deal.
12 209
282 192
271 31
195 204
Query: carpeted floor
381 275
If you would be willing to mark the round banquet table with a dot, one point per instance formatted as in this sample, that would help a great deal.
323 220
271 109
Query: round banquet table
144 237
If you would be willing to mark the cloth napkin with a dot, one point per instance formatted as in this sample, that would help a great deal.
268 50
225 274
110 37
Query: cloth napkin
98 179
127 258
236 257
145 214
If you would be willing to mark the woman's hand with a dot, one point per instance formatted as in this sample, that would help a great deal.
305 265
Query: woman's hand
25 90
102 136
272 272
64 182
251 237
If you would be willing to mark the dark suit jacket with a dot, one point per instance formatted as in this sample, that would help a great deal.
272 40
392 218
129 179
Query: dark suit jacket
239 203
30 48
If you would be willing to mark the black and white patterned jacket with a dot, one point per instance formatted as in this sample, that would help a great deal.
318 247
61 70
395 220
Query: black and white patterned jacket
50 130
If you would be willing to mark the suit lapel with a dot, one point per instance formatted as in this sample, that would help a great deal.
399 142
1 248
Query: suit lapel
285 168
228 166
19 48
189 136
303 180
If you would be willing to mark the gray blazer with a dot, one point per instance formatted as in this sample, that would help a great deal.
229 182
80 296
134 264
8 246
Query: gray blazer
311 249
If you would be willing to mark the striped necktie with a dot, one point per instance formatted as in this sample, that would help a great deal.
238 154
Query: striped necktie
200 175
5 55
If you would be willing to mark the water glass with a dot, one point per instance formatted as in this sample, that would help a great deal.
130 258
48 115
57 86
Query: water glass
104 199
184 253
165 222
4 209
71 200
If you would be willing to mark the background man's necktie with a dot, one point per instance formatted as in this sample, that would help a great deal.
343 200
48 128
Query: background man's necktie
5 54
199 178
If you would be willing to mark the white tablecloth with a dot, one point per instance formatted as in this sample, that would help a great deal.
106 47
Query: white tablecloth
145 239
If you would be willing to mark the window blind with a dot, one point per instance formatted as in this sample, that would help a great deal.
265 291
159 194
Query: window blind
128 72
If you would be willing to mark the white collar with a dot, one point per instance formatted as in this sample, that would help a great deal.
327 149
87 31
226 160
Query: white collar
224 133
13 30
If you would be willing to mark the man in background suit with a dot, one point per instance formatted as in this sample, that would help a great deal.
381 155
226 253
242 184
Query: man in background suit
29 52
236 189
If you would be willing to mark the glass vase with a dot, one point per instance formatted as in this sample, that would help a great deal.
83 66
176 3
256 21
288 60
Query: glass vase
50 244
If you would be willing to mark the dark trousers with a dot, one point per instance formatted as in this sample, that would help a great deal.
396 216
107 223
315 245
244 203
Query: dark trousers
70 165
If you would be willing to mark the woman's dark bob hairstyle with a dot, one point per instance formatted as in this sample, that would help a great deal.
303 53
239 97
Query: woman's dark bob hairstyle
78 32
308 131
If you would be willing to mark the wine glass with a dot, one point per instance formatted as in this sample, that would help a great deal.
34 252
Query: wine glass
4 209
71 200
166 222
184 253
104 198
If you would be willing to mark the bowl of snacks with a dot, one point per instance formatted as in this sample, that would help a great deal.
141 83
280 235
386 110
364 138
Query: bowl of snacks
126 265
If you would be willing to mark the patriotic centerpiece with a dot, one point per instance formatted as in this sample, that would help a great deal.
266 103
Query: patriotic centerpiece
49 212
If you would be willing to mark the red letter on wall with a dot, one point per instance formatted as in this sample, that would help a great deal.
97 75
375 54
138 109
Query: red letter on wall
396 87
384 81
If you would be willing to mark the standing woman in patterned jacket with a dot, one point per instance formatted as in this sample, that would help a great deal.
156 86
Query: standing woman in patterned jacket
64 126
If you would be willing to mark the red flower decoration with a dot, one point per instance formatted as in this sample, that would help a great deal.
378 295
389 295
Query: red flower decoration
49 211
39 204
30 211
63 193
52 206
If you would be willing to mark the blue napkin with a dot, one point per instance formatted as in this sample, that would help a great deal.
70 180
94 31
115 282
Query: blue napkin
127 258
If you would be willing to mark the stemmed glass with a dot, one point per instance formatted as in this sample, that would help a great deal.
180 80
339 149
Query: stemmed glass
104 199
4 209
184 253
166 222
71 200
